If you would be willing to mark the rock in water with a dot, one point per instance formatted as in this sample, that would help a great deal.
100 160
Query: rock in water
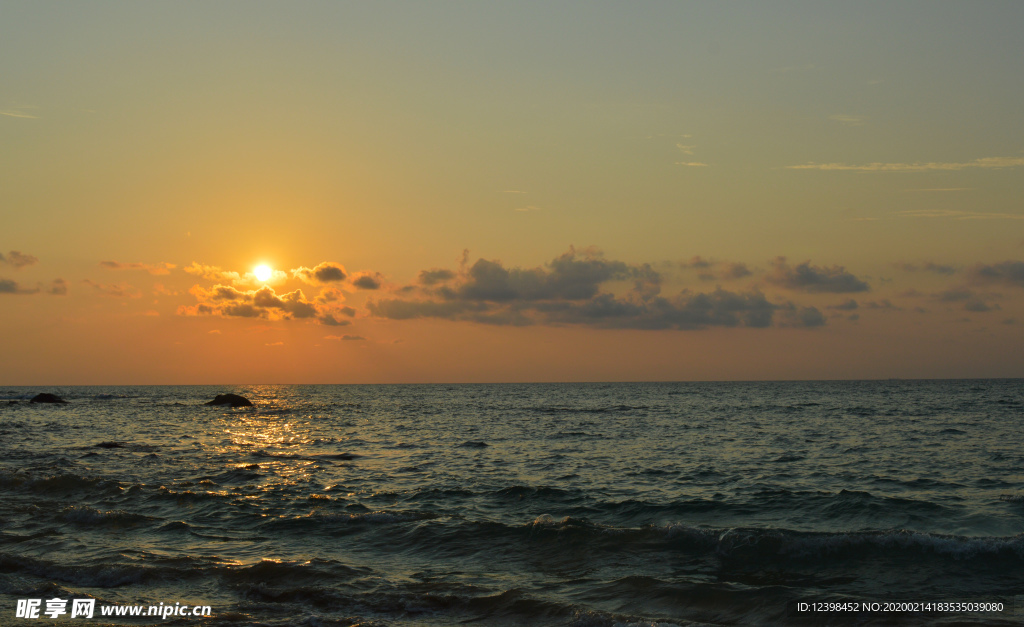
233 400
47 398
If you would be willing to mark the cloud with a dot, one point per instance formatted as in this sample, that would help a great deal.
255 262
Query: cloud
18 259
331 319
958 215
953 295
686 150
727 271
697 262
8 286
883 304
226 300
326 272
808 278
692 164
435 276
734 271
346 338
927 267
330 294
15 113
213 273
685 312
529 208
570 276
117 290
972 301
58 287
219 293
160 289
985 163
242 310
800 317
567 291
848 120
1008 273
293 303
157 269
846 305
367 280
980 306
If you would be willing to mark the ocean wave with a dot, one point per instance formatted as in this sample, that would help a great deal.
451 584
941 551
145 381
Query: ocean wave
88 516
86 575
318 520
531 492
569 409
314 570
65 483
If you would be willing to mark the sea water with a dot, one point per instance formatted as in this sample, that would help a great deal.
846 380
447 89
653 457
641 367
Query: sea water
518 504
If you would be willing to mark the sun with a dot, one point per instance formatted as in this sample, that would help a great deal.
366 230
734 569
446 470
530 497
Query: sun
263 272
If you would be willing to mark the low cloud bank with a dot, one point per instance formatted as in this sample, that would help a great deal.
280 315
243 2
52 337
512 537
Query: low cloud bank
569 291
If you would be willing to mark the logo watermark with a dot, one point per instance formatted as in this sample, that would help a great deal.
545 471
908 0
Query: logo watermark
86 608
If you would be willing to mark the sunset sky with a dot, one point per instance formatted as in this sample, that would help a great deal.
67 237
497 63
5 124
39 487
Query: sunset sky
463 191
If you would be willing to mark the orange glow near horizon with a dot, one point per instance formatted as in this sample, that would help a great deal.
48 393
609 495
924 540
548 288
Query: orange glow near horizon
367 193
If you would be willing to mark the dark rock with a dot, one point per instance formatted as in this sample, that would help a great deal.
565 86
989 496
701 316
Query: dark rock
47 398
233 400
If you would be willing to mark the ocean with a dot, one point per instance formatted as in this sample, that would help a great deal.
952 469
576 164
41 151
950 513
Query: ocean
639 504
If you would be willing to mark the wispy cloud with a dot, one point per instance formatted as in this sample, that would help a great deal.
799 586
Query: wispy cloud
15 113
212 273
928 266
692 164
686 150
119 290
7 286
529 208
18 259
931 166
953 214
939 189
154 269
1009 273
848 120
